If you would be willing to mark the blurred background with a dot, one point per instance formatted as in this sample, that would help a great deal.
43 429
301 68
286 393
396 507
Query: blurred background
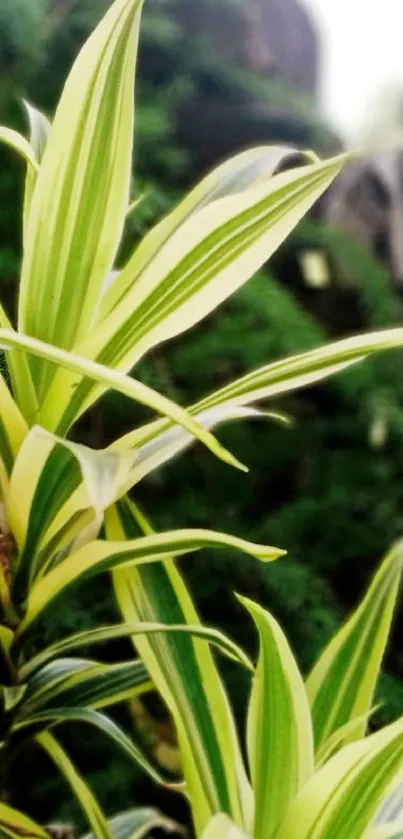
215 77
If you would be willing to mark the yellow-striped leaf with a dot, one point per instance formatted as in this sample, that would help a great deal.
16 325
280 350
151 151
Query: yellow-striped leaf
184 672
277 378
81 791
200 265
172 441
279 729
234 176
341 684
105 725
99 556
81 196
116 381
341 799
89 685
57 494
123 630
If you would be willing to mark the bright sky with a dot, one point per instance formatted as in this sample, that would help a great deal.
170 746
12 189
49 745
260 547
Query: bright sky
362 51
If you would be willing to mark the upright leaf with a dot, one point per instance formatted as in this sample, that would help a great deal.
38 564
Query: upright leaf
280 738
81 196
184 672
200 265
234 176
341 799
341 685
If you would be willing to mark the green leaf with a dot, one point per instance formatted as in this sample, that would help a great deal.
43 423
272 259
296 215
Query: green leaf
117 381
99 556
16 824
206 260
278 378
78 786
170 442
279 729
92 685
123 630
57 494
81 196
341 799
184 672
341 685
105 725
137 822
21 379
231 178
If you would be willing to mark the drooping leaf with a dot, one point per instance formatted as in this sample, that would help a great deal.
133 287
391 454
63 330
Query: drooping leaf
85 797
124 630
17 142
99 556
341 685
278 378
170 442
117 381
100 721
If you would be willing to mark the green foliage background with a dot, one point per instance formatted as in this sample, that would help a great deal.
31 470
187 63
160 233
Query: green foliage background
330 487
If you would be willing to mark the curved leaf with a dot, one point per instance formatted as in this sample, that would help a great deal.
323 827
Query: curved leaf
116 381
16 824
110 633
103 556
103 724
280 737
341 685
78 786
